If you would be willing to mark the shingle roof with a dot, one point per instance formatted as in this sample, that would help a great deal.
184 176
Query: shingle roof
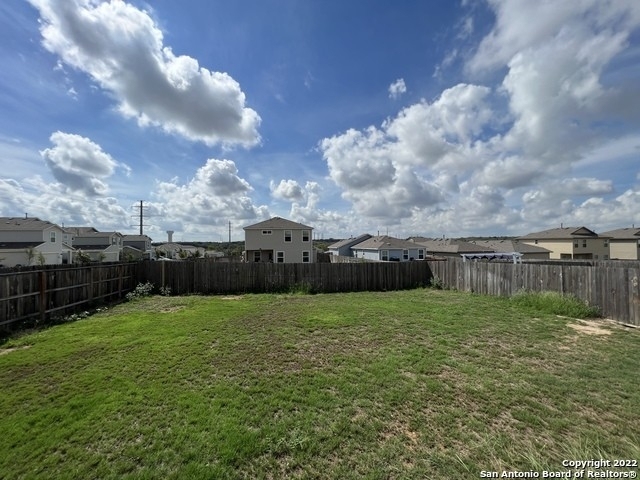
136 238
20 223
448 245
561 234
79 230
277 223
385 242
347 241
508 246
90 247
623 234
18 245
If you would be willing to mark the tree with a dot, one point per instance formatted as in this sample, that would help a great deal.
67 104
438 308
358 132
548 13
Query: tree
31 253
82 257
40 259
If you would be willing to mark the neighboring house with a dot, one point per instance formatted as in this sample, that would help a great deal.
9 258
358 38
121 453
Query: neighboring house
388 249
447 247
624 243
177 250
570 243
529 252
31 241
100 246
343 247
278 240
136 247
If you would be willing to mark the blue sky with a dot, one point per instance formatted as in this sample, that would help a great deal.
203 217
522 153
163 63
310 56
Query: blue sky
413 118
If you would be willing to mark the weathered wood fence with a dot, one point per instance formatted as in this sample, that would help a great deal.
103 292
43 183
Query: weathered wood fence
39 293
611 286
207 277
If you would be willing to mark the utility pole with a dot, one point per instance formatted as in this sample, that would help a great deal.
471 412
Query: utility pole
229 237
140 216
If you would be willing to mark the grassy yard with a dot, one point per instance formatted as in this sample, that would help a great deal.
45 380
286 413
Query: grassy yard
412 384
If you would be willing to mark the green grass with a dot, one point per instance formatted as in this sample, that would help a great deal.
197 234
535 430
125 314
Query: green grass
412 384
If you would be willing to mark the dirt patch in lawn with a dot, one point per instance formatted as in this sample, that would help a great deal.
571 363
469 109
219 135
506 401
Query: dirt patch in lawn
7 351
590 327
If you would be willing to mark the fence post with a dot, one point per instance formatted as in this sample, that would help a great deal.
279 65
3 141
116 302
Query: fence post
43 295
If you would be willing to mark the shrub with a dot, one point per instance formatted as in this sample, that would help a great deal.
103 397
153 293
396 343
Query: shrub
436 282
142 290
555 304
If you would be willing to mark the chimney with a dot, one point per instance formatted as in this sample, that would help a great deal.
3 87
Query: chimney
170 235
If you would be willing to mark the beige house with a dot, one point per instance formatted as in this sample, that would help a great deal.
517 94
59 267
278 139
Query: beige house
100 246
278 240
578 243
31 241
624 243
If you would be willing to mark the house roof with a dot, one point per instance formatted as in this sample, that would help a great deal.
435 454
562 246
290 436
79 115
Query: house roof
563 233
384 242
90 234
90 247
508 246
11 224
349 241
79 230
18 245
448 245
136 238
623 234
277 223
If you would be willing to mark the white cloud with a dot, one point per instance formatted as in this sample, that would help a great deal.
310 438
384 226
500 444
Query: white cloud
397 88
122 50
286 190
507 156
78 163
214 196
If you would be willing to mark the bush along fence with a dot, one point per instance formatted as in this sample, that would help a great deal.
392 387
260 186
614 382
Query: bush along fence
37 294
610 286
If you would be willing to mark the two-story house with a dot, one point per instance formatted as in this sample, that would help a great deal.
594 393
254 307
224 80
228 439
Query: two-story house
388 249
577 243
278 240
100 246
135 247
31 241
624 243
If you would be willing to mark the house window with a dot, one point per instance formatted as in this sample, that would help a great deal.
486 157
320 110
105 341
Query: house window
279 257
287 235
305 235
606 243
535 241
420 254
257 256
266 232
384 255
405 254
306 257
52 236
113 240
584 243
576 244
606 257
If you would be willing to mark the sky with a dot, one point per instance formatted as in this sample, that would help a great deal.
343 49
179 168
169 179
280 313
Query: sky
421 117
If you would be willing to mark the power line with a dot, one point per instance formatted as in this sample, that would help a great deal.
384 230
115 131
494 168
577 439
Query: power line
141 215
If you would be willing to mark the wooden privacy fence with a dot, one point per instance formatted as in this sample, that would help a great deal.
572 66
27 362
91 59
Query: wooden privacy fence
43 292
610 286
206 277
